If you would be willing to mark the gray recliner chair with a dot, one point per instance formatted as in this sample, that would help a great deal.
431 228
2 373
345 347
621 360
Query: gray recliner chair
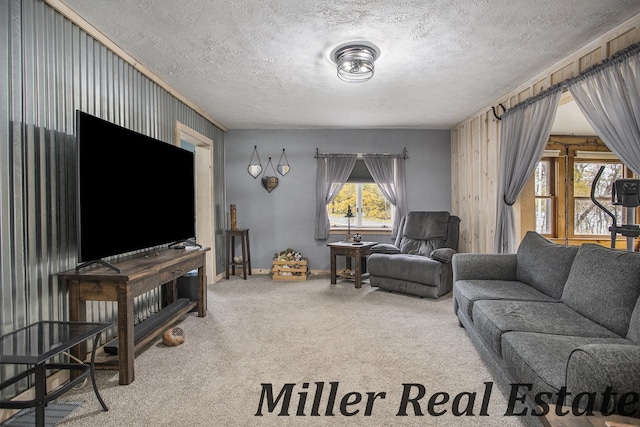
420 261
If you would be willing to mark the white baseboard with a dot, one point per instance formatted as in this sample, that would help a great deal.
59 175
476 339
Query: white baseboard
267 271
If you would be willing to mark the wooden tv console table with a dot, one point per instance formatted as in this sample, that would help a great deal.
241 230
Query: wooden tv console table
139 274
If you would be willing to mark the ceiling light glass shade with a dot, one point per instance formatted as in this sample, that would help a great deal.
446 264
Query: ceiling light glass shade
355 63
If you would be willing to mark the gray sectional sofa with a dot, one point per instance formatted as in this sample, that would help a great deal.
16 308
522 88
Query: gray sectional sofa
557 318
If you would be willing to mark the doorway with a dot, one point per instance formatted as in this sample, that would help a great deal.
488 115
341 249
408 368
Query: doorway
203 149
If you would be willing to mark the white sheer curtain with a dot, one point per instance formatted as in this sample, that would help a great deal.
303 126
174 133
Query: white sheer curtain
525 131
609 97
389 174
331 175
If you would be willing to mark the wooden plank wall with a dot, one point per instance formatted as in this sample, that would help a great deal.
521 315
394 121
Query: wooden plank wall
475 141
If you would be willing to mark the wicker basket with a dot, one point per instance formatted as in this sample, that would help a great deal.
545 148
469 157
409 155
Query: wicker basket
290 270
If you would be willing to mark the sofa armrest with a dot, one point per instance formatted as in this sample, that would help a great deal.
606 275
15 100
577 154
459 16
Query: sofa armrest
484 267
592 368
444 255
385 248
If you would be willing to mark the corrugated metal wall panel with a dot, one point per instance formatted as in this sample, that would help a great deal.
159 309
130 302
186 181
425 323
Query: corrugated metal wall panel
53 68
6 300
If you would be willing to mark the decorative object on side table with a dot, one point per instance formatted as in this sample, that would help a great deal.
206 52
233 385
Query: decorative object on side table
232 214
254 169
357 238
349 215
289 265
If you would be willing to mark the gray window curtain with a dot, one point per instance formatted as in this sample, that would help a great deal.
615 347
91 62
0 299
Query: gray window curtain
609 97
389 175
525 132
331 175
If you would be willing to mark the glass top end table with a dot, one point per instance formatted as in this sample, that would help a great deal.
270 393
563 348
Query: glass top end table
34 345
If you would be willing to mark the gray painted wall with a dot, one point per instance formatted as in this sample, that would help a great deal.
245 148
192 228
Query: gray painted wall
285 217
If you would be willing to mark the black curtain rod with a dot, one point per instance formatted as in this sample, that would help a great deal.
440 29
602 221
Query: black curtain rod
404 154
616 58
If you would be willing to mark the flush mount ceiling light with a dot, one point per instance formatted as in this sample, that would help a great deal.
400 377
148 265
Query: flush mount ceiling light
355 62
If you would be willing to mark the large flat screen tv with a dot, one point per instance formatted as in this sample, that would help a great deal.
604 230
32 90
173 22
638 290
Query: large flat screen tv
134 191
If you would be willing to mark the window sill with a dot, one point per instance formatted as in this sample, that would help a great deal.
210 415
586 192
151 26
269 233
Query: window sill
621 241
362 230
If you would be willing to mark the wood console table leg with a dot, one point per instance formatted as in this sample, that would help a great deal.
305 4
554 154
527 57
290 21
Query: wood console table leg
77 313
126 344
202 290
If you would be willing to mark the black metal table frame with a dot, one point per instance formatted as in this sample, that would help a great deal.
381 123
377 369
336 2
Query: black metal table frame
39 369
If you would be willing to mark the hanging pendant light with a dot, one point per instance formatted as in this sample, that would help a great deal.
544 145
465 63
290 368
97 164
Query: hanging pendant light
355 62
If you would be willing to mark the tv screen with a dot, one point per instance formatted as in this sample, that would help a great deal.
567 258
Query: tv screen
134 191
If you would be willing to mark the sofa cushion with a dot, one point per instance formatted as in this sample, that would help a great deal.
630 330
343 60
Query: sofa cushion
604 285
385 248
443 254
467 292
426 225
405 287
419 247
543 264
541 359
413 268
495 317
593 367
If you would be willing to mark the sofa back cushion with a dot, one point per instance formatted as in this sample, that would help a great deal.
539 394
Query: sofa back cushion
423 232
604 286
543 264
419 247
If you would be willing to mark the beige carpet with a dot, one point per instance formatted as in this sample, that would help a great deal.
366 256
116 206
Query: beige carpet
259 331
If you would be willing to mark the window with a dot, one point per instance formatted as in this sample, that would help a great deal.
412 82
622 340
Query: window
545 197
589 219
370 209
562 190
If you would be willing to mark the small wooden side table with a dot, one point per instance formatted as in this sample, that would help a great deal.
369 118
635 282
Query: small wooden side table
231 235
359 251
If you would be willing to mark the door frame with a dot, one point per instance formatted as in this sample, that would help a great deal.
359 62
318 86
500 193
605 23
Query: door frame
205 190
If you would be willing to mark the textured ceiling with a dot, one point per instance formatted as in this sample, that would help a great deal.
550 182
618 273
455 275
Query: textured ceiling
265 63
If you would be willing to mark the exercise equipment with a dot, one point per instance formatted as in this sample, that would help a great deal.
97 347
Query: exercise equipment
625 192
